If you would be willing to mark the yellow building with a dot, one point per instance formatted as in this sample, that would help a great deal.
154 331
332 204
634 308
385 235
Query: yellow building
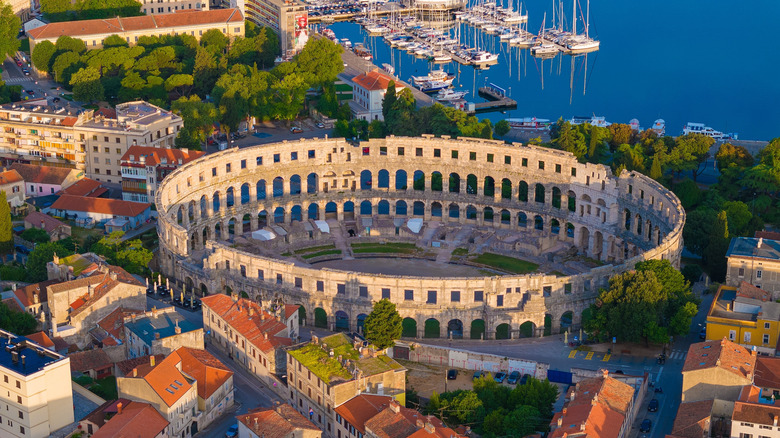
746 316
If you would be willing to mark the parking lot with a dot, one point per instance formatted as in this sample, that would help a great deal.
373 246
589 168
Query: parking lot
163 294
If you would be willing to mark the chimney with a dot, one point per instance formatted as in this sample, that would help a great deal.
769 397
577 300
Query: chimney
24 360
90 291
395 406
760 241
606 373
177 329
135 372
717 362
43 224
151 360
774 422
154 311
157 335
36 300
753 351
13 287
112 275
251 311
420 423
15 356
429 427
119 408
315 339
749 375
560 421
265 335
582 427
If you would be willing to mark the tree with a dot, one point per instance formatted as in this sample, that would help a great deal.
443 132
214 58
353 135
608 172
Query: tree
689 193
42 55
541 394
620 134
18 323
133 257
114 41
179 84
68 44
35 235
383 325
714 255
42 254
86 85
319 62
502 128
697 229
389 100
569 138
214 40
199 118
523 421
655 169
729 155
65 65
6 226
689 153
9 28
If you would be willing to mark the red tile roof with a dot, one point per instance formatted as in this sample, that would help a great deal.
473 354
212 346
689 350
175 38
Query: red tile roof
373 80
10 177
767 372
85 187
756 413
362 408
396 421
151 156
108 113
102 413
254 327
83 361
723 354
137 420
26 294
114 207
166 380
142 364
152 22
278 422
771 235
12 305
43 174
693 419
41 339
210 373
36 219
289 309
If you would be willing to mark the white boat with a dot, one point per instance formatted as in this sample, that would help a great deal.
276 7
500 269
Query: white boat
659 126
593 120
483 57
544 49
699 128
388 68
442 58
529 124
447 94
634 124
582 44
432 86
433 76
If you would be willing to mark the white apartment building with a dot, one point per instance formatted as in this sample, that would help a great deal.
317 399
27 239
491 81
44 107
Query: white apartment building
151 7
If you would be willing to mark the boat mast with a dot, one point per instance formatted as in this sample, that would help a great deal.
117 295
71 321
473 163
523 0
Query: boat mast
574 17
587 19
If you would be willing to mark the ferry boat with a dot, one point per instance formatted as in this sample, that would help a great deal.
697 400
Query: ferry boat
446 95
434 76
699 128
529 124
659 126
599 121
432 86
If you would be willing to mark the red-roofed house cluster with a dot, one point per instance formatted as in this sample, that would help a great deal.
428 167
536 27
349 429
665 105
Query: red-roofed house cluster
144 167
368 94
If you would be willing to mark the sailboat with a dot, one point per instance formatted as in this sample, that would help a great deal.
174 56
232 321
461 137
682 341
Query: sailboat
581 43
544 49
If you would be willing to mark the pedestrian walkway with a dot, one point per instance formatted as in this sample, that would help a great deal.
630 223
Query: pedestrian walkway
677 355
11 81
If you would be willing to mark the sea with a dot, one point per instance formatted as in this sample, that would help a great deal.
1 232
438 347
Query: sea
714 62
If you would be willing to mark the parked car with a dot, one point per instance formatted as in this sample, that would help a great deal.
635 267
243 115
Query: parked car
646 426
703 333
30 92
26 72
513 378
232 431
499 377
320 125
452 374
477 375
55 100
296 130
653 406
525 379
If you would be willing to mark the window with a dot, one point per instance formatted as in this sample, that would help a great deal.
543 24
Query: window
5 379
243 164
766 339
747 337
277 158
364 291
94 148
21 430
557 168
524 162
21 415
573 171
431 297
279 279
320 286
741 272
105 139
213 171
732 335
294 156
479 295
541 165
418 152
758 274
408 295
19 399
18 384
108 161
400 151
227 168
260 274
455 155
243 271
341 289
437 153
472 156
259 161
298 282
766 325
385 293
499 301
507 159
455 296
489 158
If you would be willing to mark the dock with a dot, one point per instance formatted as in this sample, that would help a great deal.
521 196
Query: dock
497 100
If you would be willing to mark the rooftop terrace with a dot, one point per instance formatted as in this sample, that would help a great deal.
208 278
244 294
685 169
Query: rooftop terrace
23 356
728 305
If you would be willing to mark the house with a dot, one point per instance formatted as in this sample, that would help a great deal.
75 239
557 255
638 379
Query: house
254 338
368 94
215 383
94 363
766 376
396 421
351 417
12 183
745 315
717 370
33 299
281 421
98 211
159 332
596 407
754 410
87 187
54 227
46 180
125 367
704 418
332 382
167 389
41 339
755 260
125 418
143 168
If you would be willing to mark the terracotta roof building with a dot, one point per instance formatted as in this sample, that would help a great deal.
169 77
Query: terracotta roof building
54 227
160 332
46 180
281 421
42 339
368 94
396 421
766 374
258 337
215 383
600 407
699 419
353 414
716 369
143 168
93 32
747 316
86 187
91 211
12 183
94 363
125 418
125 368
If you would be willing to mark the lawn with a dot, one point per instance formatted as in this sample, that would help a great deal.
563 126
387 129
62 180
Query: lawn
460 251
384 248
313 249
321 253
80 234
389 244
509 264
104 388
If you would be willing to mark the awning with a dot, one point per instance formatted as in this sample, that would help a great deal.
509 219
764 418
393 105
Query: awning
263 235
415 225
323 226
279 230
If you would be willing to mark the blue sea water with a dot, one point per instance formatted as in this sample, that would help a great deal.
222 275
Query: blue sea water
714 62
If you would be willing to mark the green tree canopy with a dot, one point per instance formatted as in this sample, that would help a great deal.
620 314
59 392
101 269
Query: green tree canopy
689 153
42 55
86 85
18 323
9 28
35 235
319 62
733 156
383 325
502 128
42 254
714 255
6 226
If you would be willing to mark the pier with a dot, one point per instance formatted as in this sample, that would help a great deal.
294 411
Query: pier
497 100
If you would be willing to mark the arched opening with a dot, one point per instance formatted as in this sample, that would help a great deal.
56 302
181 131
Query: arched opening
296 213
365 208
418 208
455 329
262 219
383 207
342 321
437 182
261 189
361 321
193 241
278 187
538 223
488 214
478 329
584 239
471 213
547 324
244 193
311 183
295 185
566 320
409 328
301 315
556 197
230 199
432 329
598 243
436 209
418 180
204 206
454 183
320 318
572 201
191 211
365 180
454 211
218 231
555 226
471 184
489 189
279 215
627 214
400 180
569 230
522 220
639 225
331 210
246 223
502 331
232 228
180 215
313 212
506 189
383 179
506 218
527 329
205 234
349 210
522 191
400 208
204 291
539 194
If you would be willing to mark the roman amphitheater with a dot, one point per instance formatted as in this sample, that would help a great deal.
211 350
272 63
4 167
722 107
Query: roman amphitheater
469 238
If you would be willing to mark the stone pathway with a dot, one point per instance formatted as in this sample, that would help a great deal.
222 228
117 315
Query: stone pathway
337 232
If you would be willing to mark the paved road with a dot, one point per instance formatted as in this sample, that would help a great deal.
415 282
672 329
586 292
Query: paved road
12 75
